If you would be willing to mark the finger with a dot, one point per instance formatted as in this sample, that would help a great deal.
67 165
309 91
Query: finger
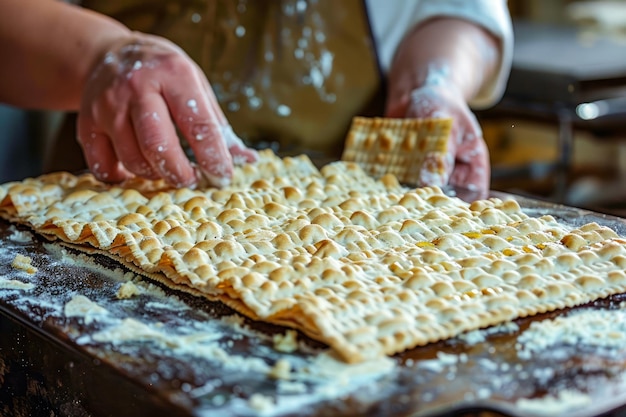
128 150
439 166
397 104
158 142
435 170
238 150
240 153
212 155
212 100
102 159
99 152
199 124
472 168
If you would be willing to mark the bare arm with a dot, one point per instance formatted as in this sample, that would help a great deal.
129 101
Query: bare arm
446 50
47 50
131 90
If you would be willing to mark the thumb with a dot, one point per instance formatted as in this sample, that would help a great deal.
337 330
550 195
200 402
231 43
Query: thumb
437 167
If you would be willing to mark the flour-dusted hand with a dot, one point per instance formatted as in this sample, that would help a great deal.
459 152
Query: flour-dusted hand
467 162
439 69
137 95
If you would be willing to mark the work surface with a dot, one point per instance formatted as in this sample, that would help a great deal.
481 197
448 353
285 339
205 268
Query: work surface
82 336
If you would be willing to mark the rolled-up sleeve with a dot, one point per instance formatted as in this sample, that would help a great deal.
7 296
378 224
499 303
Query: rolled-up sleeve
391 20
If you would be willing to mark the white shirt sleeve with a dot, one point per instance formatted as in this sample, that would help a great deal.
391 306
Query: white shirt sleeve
391 20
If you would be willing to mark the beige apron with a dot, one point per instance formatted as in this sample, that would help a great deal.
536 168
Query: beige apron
289 74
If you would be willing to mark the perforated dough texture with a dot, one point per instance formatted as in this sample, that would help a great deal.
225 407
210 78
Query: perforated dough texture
368 267
409 149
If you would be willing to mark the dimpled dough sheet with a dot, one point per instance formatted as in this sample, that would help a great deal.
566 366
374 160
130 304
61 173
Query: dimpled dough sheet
366 266
410 149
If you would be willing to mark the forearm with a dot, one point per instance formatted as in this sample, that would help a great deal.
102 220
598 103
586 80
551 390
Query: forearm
47 50
444 50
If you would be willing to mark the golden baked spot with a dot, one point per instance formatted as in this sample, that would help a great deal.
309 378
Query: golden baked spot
589 282
472 235
424 244
573 241
617 277
509 252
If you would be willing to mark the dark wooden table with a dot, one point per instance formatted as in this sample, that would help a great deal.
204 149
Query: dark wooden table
188 357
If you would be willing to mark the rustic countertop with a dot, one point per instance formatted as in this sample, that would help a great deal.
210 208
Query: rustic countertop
72 346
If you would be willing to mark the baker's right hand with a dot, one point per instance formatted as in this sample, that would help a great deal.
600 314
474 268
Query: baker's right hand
466 164
143 89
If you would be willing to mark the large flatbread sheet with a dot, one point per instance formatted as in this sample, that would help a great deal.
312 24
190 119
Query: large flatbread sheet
367 266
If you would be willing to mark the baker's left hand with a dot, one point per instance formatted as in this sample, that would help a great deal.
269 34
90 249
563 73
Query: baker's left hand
466 164
140 92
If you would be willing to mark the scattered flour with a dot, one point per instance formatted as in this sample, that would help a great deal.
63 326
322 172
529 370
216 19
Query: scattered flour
13 284
566 400
291 387
127 290
86 261
83 307
287 342
261 403
20 236
478 336
117 274
131 330
198 344
589 327
327 364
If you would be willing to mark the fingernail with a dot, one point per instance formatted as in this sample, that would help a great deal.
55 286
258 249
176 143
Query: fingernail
219 182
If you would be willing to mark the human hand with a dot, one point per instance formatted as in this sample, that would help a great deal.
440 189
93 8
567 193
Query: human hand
466 164
144 88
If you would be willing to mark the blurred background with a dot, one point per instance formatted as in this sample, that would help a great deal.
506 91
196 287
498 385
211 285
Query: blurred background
558 134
